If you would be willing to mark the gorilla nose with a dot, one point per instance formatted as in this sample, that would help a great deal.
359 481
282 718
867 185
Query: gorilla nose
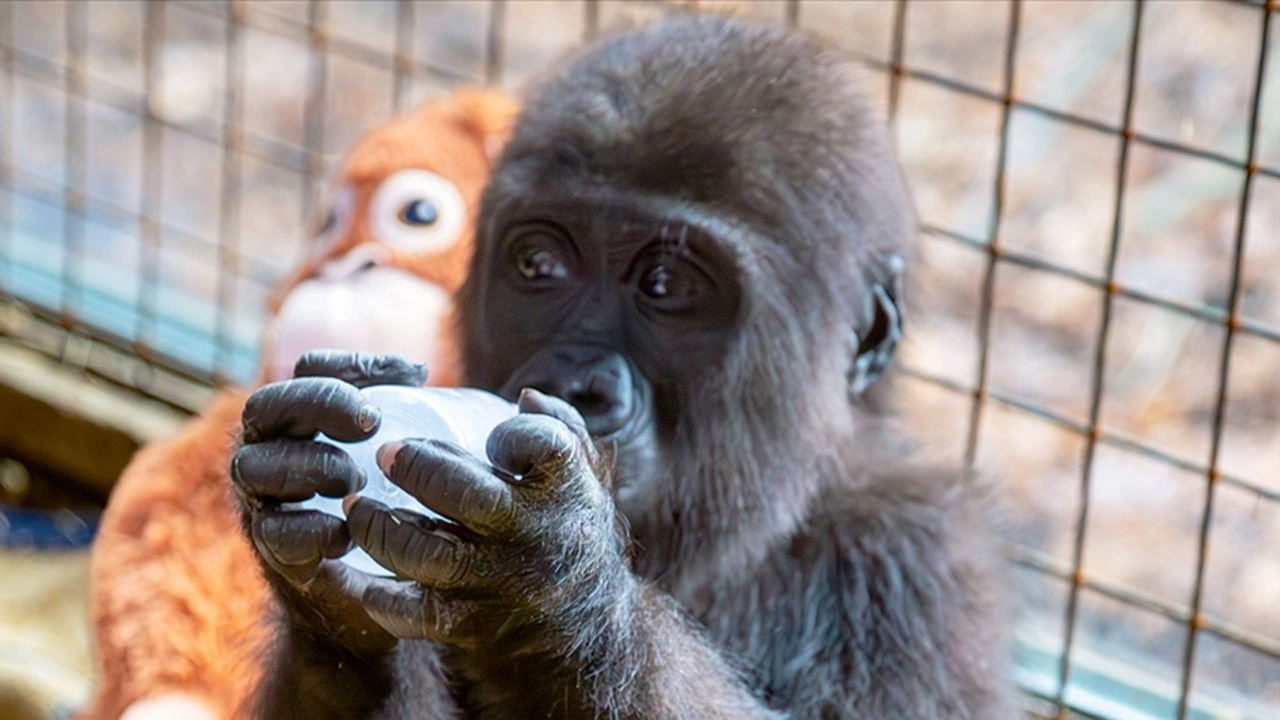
597 382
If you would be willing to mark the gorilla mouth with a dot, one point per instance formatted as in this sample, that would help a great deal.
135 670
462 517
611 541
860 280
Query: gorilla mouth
631 450
609 393
615 399
626 433
627 440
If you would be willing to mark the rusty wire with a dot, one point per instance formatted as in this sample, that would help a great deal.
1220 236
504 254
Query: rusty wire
1196 621
1099 364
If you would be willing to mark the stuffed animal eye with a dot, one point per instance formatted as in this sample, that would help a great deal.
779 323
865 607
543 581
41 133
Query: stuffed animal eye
329 223
336 219
417 211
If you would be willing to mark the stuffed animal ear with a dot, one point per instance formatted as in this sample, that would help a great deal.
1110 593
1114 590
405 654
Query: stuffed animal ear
488 115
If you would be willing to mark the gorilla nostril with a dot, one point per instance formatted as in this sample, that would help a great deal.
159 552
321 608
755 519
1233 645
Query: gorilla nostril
597 382
577 358
605 410
590 402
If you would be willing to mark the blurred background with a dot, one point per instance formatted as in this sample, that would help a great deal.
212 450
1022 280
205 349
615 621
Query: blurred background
1097 321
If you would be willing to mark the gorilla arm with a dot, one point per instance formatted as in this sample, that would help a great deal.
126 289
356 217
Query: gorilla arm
527 591
330 660
529 581
526 580
836 622
841 622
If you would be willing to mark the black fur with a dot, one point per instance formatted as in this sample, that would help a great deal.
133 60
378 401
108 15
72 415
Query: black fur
768 504
786 559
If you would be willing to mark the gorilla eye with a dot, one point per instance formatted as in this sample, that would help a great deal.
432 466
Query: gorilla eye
540 264
655 281
671 287
418 213
539 255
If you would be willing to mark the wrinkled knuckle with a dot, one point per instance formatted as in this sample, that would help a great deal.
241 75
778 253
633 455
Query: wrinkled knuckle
412 449
360 522
237 477
434 621
322 362
443 617
549 437
413 467
462 563
246 475
264 537
332 468
502 508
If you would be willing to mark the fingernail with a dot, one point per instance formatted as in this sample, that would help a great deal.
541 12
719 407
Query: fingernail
531 400
367 420
347 502
386 456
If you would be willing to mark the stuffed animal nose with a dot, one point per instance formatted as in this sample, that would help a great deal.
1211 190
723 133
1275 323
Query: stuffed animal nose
358 259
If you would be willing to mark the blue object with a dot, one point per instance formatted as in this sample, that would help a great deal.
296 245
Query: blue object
47 529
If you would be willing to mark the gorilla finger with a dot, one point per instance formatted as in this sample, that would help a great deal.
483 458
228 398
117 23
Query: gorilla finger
450 481
398 606
536 448
292 470
410 611
294 543
300 408
534 401
361 369
334 591
408 544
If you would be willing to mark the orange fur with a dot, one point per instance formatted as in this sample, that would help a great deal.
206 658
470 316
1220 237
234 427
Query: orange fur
457 140
178 602
177 597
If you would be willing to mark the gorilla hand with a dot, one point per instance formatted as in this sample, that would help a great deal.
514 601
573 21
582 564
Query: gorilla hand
530 547
280 461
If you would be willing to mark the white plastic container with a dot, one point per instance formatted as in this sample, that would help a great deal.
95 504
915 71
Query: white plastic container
462 416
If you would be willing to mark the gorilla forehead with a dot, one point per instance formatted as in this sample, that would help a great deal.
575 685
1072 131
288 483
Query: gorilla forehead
701 108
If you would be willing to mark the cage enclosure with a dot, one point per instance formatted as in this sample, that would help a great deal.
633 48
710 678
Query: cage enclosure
1098 303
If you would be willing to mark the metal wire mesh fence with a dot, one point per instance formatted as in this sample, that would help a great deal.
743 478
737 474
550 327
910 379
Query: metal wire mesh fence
1099 191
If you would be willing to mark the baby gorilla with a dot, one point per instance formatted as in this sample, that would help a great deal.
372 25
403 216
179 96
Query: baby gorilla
696 239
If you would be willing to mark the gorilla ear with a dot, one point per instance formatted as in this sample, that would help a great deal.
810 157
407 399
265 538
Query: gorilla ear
877 344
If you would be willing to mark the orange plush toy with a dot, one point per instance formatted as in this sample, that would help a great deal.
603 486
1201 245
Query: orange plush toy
178 601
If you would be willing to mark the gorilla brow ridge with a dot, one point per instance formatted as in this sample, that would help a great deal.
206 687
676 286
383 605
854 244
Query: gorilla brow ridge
677 248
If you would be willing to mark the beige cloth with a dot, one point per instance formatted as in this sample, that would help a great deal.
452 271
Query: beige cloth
45 662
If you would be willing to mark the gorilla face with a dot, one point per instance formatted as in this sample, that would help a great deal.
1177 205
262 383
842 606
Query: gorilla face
617 311
704 266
